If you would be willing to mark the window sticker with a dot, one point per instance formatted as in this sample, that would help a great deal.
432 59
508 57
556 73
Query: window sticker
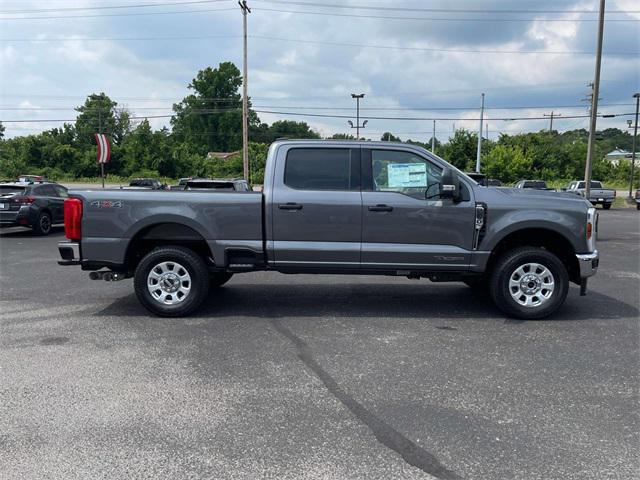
406 175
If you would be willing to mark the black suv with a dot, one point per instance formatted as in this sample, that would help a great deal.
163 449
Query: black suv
35 205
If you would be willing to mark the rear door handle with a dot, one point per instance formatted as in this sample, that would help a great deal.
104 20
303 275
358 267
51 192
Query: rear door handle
290 206
380 208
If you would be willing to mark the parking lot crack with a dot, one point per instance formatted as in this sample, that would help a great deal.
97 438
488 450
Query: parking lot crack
412 453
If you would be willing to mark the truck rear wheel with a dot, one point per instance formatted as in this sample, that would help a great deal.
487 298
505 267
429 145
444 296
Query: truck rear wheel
529 283
171 281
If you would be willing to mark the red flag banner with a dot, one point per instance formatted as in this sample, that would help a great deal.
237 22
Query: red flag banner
104 148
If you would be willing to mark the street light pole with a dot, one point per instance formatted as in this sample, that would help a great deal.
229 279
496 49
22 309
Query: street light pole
594 105
633 148
433 138
357 125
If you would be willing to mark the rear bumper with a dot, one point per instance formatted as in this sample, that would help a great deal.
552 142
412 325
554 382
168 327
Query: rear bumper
70 253
588 263
9 218
26 216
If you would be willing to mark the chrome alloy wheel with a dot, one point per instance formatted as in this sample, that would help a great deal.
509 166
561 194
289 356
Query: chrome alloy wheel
531 285
169 283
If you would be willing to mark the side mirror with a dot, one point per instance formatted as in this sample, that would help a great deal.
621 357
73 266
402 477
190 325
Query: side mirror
450 185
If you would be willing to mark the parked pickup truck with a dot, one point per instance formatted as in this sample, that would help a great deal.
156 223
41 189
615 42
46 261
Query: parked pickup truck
339 207
597 195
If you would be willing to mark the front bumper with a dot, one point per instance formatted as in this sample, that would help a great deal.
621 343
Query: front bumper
70 253
588 263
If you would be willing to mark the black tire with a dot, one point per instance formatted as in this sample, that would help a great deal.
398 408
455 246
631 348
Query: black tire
637 206
606 206
218 279
43 224
507 265
185 259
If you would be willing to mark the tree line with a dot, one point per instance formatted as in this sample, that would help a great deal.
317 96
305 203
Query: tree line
209 119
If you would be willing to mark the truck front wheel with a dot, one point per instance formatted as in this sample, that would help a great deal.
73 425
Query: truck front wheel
529 283
171 281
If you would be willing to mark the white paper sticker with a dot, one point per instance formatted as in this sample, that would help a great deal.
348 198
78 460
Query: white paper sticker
407 175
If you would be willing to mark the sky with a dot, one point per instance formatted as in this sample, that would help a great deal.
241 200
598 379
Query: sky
428 59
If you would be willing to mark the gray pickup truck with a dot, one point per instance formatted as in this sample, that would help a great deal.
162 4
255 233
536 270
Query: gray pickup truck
339 207
598 195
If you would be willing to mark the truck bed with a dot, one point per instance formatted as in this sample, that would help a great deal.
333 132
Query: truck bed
225 220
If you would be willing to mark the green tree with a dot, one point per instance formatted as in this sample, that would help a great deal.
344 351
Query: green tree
461 150
341 136
389 137
100 114
290 129
210 118
1 131
507 163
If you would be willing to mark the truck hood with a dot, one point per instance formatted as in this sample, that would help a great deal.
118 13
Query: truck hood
530 197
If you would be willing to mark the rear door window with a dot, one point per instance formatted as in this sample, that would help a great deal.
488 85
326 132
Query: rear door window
322 169
61 191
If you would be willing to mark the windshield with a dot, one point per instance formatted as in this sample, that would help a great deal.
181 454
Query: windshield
593 185
535 184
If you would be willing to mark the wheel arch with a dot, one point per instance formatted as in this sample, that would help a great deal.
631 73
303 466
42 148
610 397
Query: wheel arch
162 234
542 237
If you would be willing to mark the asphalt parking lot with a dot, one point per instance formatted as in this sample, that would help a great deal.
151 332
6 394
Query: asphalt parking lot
316 377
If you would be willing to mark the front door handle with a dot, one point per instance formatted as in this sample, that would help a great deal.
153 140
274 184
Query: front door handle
290 206
380 208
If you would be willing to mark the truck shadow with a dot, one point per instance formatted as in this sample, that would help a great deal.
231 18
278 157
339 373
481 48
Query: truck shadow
374 300
22 232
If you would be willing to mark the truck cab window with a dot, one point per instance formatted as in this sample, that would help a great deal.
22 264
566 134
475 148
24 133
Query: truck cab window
321 169
404 172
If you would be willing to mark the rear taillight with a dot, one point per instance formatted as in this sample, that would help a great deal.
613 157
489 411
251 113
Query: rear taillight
24 200
591 229
615 193
73 218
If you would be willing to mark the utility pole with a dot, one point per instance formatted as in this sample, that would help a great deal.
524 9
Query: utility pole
357 125
480 135
633 148
594 104
433 139
486 131
245 106
551 116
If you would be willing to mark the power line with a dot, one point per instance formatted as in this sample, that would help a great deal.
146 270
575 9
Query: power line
435 10
436 109
422 49
109 7
444 19
136 14
316 42
111 39
506 119
399 93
